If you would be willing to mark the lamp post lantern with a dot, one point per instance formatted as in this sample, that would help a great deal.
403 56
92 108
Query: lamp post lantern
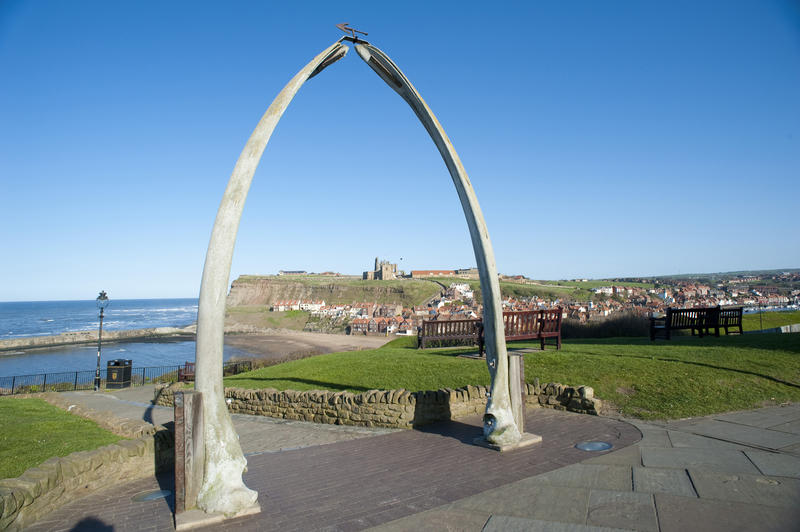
102 303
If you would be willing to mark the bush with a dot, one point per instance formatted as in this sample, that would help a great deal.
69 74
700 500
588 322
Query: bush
618 325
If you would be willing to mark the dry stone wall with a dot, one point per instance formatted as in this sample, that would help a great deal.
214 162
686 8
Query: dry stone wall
57 481
389 408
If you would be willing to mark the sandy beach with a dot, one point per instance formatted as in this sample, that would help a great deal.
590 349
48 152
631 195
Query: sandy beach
284 344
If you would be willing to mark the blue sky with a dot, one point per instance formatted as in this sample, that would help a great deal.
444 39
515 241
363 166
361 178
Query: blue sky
602 138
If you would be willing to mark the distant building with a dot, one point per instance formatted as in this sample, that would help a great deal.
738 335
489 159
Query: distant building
383 271
415 274
292 272
469 273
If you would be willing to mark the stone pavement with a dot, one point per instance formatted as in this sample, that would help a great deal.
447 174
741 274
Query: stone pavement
737 471
257 434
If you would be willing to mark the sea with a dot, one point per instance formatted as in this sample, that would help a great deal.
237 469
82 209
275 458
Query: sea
46 318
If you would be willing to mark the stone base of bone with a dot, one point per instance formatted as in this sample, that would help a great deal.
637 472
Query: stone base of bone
526 440
198 518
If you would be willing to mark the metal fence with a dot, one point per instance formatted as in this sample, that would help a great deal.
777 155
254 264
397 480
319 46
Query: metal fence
84 380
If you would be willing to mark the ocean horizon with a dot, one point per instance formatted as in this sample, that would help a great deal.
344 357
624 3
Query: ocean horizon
22 319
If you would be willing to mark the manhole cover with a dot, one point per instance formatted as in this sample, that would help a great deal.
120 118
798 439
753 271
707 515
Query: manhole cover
594 446
151 495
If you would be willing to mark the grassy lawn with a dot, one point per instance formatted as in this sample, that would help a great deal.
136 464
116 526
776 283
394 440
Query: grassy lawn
684 377
751 322
509 289
261 316
34 431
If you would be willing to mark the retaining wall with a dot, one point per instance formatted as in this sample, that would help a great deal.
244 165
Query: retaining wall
40 490
392 408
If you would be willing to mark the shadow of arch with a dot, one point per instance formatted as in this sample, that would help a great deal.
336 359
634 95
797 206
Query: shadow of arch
712 366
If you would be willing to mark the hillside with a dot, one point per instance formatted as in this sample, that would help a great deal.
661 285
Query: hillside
267 289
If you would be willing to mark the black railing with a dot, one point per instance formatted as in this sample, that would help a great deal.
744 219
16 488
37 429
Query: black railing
84 380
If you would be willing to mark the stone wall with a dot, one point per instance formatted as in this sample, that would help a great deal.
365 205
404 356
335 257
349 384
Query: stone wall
57 481
392 408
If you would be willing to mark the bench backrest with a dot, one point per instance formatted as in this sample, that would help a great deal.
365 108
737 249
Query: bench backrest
532 322
451 327
689 318
730 316
521 323
551 320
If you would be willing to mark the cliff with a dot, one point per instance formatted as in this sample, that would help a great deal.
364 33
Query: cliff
266 290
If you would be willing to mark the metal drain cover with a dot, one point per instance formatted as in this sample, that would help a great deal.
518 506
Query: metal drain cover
151 495
594 446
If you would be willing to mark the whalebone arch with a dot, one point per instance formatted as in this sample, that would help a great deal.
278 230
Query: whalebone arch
222 489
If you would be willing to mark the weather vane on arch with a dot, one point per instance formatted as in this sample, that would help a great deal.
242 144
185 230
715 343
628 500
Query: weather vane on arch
347 29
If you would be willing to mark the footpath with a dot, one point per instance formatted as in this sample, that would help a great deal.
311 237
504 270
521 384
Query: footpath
736 471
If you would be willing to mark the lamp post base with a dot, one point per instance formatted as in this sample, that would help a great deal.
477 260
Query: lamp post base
97 384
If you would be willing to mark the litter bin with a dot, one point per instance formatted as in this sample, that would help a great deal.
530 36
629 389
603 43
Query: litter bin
118 373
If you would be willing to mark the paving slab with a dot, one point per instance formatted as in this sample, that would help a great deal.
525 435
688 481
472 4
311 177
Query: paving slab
548 503
792 449
655 480
626 510
443 518
734 432
504 523
701 459
596 476
753 489
792 427
775 464
686 439
654 437
679 514
631 456
763 417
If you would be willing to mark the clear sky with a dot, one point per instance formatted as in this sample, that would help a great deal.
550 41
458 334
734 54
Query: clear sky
603 139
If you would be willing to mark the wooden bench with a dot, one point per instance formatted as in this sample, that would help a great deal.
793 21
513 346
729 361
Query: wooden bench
521 325
699 320
731 317
533 325
447 330
186 373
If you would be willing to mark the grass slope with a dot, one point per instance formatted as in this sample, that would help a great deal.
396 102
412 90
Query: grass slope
752 322
261 316
685 377
337 290
34 431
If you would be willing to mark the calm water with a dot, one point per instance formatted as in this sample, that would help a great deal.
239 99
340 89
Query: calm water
42 318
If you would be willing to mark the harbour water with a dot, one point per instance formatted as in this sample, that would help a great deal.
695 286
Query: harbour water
44 318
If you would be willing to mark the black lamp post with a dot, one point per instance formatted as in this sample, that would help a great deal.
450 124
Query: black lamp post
102 303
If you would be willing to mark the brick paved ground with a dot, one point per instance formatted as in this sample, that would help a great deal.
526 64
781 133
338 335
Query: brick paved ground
357 484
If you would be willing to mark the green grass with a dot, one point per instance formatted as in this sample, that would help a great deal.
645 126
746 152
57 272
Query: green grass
684 377
595 283
519 290
338 290
261 316
752 322
34 431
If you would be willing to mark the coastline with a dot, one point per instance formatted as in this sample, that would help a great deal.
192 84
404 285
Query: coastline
266 344
14 345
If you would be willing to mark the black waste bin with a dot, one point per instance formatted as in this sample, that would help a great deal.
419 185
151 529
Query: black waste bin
118 373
